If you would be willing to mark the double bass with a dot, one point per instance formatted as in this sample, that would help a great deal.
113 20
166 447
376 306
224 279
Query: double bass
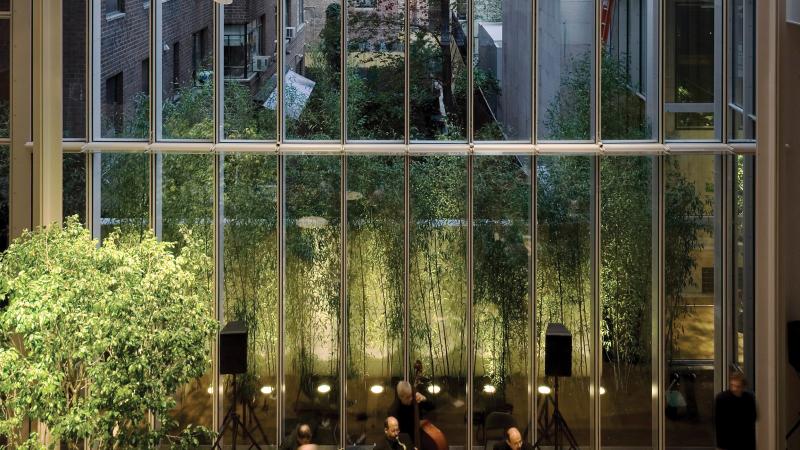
427 436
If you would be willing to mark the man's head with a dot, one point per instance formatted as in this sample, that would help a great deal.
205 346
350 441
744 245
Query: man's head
391 428
404 392
737 383
514 438
303 434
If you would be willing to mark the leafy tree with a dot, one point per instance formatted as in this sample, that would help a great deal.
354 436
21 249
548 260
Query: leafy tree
93 339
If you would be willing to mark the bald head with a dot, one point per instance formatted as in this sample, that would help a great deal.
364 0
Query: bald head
391 428
303 434
514 438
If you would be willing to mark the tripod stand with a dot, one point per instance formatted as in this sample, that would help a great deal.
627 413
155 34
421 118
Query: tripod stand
233 421
552 426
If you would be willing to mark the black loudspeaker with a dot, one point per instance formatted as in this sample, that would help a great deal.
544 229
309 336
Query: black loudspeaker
233 348
557 351
793 343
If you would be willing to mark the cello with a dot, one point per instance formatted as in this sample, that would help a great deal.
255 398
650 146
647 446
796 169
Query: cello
427 436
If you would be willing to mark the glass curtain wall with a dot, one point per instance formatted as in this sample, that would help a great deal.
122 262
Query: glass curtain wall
692 296
375 274
312 298
501 321
564 240
628 298
249 208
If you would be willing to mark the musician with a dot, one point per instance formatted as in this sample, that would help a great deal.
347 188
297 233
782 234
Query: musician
393 440
403 408
513 441
300 437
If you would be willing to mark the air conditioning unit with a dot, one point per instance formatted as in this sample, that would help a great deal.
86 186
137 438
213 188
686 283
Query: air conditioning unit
260 63
290 32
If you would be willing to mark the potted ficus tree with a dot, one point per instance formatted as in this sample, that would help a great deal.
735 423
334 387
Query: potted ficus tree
94 340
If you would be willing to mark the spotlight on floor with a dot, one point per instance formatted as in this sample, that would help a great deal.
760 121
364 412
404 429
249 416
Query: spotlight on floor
489 389
434 389
266 390
376 389
324 388
544 390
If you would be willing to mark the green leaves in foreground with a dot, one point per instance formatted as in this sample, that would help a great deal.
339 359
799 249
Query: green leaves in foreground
92 338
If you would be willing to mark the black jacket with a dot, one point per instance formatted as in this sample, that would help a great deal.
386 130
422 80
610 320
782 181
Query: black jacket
735 421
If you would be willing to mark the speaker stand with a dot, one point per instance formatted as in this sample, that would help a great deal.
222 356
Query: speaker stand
233 421
553 426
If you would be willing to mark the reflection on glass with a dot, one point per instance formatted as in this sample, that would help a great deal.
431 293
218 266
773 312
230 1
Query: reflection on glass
124 85
375 214
438 55
187 205
626 73
74 179
5 73
375 47
438 288
249 66
627 299
187 73
312 70
5 159
691 41
250 265
502 70
566 69
690 288
501 323
744 271
74 67
123 182
563 283
311 305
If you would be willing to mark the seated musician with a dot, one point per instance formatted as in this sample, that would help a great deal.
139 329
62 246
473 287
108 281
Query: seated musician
301 436
403 408
393 439
513 441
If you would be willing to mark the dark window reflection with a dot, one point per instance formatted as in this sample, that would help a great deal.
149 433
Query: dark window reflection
74 67
123 192
74 177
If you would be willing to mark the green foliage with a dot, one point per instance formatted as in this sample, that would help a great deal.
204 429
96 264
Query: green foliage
96 338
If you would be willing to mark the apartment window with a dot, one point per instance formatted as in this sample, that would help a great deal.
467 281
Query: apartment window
114 100
176 63
114 6
198 49
708 280
235 51
365 3
145 78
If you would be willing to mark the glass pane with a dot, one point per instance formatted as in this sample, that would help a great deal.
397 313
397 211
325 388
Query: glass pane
438 291
691 42
4 5
74 178
249 63
737 52
187 71
5 165
311 308
5 74
74 66
627 296
566 70
501 322
375 217
124 88
123 192
312 68
438 51
626 73
691 286
563 283
744 271
375 66
250 265
502 70
187 204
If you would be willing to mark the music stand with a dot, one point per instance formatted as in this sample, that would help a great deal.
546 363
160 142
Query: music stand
554 426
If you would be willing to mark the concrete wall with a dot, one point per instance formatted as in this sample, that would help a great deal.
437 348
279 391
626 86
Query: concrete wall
514 110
